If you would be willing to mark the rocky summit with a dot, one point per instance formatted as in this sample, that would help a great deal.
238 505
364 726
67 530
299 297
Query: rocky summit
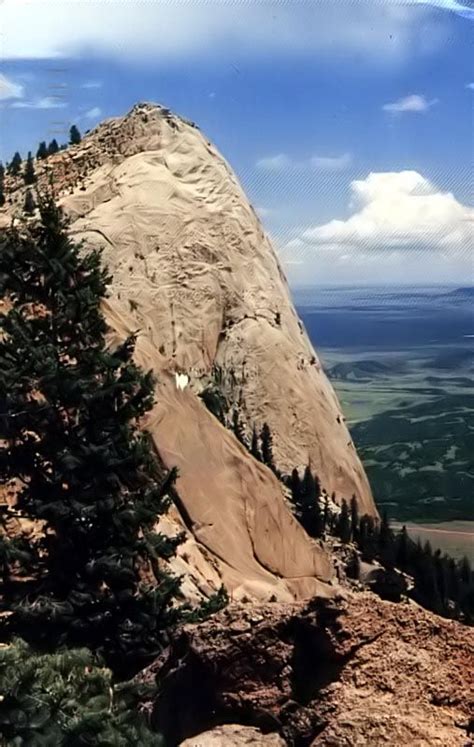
197 279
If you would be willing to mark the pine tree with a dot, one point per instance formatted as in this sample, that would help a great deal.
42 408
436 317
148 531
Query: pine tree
267 446
254 446
2 185
354 518
14 167
29 206
305 497
402 549
53 147
344 523
29 175
386 543
67 698
69 438
353 567
74 136
238 428
42 151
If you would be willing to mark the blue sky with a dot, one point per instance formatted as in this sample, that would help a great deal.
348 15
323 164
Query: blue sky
348 123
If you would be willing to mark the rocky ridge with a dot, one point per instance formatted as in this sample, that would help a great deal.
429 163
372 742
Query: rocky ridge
196 278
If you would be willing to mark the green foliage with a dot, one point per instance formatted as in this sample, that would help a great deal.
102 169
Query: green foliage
2 185
305 494
29 205
344 523
53 147
42 151
66 699
238 428
69 439
74 135
254 446
29 175
14 167
266 441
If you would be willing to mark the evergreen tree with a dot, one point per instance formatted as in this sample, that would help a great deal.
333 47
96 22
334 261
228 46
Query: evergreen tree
238 428
254 446
69 438
354 518
29 205
2 185
29 174
305 499
353 567
267 446
295 487
368 538
53 147
326 514
402 549
74 136
344 523
67 698
14 167
42 151
386 543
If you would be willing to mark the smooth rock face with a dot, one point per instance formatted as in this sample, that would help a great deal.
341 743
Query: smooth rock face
197 279
234 735
337 673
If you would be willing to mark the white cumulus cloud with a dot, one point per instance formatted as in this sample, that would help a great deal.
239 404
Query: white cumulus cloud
396 219
9 89
414 103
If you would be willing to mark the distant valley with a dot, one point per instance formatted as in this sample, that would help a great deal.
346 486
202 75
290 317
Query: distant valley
402 362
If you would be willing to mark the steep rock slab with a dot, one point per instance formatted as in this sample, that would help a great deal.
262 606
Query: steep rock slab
187 251
195 276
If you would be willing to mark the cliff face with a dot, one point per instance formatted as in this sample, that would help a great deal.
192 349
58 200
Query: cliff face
195 275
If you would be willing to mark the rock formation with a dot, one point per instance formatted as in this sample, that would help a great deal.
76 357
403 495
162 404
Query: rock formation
196 278
338 673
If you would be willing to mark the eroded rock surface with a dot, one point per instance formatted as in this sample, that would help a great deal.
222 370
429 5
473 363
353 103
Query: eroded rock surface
195 276
344 672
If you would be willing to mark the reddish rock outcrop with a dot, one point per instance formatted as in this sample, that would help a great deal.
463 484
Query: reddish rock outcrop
353 671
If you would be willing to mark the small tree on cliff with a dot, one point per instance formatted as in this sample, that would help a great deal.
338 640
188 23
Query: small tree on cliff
2 185
267 446
69 441
53 147
29 206
29 175
74 135
344 523
42 151
14 167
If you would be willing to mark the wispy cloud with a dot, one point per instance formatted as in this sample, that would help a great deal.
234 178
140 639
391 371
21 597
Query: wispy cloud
280 162
284 162
9 89
415 103
331 163
93 113
182 30
90 84
47 102
470 86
